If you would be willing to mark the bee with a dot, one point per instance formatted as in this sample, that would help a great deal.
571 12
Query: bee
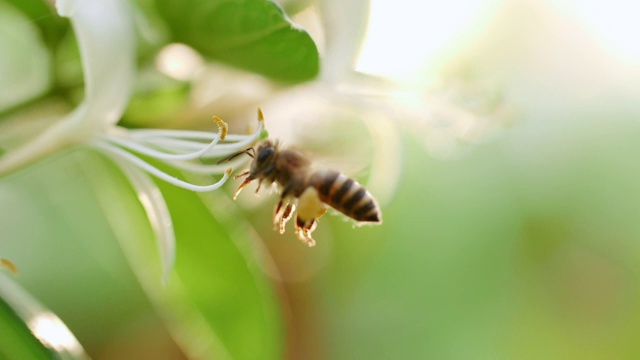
311 190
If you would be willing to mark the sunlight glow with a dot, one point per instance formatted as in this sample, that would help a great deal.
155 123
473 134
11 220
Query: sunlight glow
53 333
179 61
406 38
614 24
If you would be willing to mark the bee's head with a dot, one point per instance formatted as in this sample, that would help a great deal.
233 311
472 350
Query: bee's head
263 164
264 159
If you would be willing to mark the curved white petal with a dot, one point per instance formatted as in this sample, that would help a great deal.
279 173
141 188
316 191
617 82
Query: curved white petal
345 25
157 212
106 37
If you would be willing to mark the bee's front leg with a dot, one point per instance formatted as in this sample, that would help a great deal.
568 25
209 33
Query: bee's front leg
244 183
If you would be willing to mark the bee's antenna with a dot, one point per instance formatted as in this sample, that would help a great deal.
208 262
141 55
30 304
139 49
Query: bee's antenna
246 173
249 151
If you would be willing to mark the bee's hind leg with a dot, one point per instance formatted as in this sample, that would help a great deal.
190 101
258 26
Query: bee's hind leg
304 230
310 208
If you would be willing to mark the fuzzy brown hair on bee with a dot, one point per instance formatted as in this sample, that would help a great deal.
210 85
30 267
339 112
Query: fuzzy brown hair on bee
311 191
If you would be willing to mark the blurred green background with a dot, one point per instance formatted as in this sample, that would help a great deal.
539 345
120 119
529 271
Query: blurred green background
500 138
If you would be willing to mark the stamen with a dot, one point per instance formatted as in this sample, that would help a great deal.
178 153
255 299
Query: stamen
205 168
145 150
173 141
138 147
157 172
8 264
176 147
145 134
224 128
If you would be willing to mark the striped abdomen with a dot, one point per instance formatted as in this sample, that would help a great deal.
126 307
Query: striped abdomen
345 195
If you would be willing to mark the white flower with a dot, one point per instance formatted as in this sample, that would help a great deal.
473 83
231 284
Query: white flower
106 39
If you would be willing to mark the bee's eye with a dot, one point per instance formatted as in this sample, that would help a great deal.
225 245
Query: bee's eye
265 153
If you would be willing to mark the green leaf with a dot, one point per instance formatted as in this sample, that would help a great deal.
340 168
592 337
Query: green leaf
156 100
254 35
43 15
63 218
24 64
218 303
221 281
55 227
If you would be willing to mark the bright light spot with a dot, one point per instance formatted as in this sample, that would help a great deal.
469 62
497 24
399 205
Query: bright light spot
406 38
179 61
612 23
53 333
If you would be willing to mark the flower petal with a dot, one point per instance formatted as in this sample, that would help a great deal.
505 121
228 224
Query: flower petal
157 212
106 38
345 25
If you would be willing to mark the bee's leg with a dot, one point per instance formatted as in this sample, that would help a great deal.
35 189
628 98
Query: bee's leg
259 184
282 214
277 214
286 215
310 208
244 183
311 226
299 230
304 230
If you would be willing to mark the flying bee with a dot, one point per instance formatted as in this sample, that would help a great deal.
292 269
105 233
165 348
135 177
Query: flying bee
312 190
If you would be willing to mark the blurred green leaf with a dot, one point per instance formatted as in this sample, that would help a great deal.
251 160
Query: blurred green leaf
24 64
43 15
156 100
251 34
218 303
220 283
69 77
55 227
60 219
